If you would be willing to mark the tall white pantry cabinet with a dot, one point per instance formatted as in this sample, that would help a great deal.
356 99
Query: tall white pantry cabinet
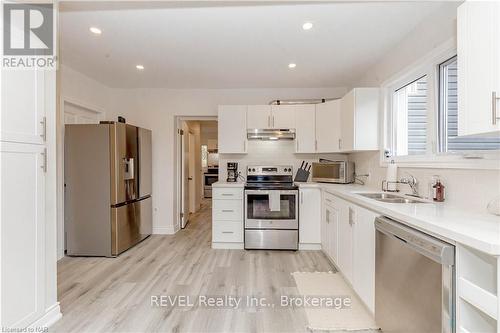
28 289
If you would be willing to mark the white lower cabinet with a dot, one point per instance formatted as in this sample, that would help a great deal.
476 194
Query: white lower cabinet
227 217
23 232
309 218
329 232
363 256
348 239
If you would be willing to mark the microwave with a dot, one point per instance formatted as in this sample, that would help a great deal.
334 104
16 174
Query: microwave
340 172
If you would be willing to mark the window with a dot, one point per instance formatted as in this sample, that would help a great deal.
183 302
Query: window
409 118
448 115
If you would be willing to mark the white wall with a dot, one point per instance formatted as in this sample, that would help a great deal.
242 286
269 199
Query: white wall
271 153
465 188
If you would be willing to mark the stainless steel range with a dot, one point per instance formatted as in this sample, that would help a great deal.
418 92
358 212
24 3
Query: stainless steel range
271 208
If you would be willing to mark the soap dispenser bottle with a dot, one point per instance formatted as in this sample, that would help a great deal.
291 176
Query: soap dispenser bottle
438 190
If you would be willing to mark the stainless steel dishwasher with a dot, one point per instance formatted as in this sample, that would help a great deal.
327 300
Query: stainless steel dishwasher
414 280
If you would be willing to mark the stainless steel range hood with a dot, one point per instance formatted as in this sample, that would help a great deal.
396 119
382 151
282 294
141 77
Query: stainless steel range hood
271 134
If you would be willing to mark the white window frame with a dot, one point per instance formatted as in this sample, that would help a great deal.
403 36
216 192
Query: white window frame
428 66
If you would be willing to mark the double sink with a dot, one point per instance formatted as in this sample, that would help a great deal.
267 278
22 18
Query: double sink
392 198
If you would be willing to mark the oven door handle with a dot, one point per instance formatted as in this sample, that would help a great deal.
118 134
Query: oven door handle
260 192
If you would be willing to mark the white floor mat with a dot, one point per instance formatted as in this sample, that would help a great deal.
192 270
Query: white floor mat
326 284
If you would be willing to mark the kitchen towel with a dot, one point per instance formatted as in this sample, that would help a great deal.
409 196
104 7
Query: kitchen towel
274 201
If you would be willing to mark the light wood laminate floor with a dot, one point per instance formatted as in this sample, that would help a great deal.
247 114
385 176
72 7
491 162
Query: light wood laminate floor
114 294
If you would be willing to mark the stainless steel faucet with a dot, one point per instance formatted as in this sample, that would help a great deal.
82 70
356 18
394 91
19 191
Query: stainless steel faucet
411 181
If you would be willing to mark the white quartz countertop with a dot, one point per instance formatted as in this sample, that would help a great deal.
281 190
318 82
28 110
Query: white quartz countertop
479 230
221 183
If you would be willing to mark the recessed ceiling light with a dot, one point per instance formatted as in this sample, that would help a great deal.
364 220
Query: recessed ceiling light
307 26
140 67
292 65
95 30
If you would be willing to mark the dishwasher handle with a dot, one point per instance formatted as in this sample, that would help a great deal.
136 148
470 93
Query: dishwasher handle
433 248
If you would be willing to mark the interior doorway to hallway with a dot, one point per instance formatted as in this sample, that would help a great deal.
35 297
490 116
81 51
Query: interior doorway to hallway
196 165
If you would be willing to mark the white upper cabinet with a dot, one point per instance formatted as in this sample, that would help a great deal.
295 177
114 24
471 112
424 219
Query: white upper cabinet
359 120
328 127
23 112
478 47
283 116
232 129
305 129
259 116
271 116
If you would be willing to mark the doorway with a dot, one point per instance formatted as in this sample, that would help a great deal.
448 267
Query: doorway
196 166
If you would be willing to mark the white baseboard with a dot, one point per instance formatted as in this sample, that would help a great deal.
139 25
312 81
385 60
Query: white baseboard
310 246
52 314
232 246
167 230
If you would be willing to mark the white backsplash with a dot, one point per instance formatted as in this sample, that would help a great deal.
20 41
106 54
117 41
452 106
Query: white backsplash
464 188
270 153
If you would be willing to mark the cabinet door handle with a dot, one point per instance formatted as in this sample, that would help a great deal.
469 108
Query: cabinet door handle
494 100
227 194
340 144
351 216
315 145
227 210
269 121
44 165
44 128
273 121
228 232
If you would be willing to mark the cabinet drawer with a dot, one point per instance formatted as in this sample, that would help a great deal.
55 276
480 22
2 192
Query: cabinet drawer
227 193
227 231
227 210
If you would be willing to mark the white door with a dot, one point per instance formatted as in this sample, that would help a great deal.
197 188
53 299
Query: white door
259 116
191 173
310 216
305 127
345 238
332 220
283 116
77 114
184 175
22 234
364 256
328 127
232 129
23 115
478 47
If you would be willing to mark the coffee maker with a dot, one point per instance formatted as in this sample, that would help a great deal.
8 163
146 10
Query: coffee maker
232 172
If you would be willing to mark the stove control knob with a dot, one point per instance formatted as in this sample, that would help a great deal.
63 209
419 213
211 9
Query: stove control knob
253 169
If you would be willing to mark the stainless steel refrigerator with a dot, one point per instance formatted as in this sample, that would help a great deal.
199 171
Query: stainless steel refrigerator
108 204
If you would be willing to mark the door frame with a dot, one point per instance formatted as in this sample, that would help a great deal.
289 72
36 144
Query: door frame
177 164
60 162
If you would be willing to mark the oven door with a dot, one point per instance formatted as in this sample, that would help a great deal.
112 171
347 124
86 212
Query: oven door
271 209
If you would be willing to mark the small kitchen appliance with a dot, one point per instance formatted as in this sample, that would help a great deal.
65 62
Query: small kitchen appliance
271 208
340 172
232 172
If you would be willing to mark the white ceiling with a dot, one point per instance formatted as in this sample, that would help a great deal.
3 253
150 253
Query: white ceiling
234 46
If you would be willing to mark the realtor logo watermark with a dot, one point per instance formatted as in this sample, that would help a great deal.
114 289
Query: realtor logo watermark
28 36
